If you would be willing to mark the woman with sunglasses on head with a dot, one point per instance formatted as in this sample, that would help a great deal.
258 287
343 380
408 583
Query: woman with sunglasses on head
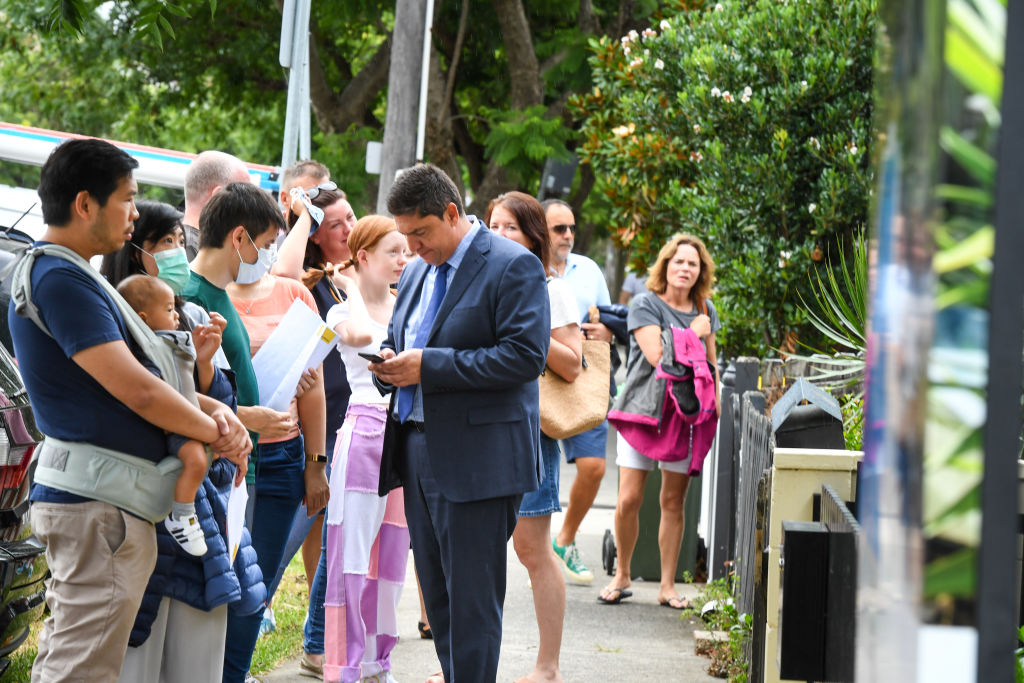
520 218
308 254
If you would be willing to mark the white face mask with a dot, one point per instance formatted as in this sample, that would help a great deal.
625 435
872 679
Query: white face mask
249 273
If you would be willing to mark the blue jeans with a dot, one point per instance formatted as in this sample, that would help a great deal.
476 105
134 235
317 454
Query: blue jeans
313 631
278 492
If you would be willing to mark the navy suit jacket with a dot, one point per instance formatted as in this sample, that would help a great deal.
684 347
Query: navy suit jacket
487 346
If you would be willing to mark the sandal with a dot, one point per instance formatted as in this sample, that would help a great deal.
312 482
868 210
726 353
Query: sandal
614 595
309 667
424 630
676 603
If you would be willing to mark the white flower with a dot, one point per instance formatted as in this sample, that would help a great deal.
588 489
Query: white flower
726 97
852 148
718 7
696 128
647 53
650 33
745 97
696 157
813 142
621 131
803 85
715 92
636 62
784 258
633 35
665 25
625 50
812 207
624 40
658 64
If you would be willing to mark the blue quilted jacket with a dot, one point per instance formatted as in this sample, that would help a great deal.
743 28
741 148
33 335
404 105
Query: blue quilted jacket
211 580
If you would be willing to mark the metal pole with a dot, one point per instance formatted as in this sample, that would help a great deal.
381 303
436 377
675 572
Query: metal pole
997 570
304 122
299 56
421 125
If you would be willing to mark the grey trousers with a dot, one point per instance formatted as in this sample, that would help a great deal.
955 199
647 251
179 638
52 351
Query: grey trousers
186 645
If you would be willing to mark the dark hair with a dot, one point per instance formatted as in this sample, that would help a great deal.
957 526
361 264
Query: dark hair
530 216
423 190
237 204
156 220
89 165
548 203
314 257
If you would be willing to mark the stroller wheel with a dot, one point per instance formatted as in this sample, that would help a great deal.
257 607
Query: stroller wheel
608 552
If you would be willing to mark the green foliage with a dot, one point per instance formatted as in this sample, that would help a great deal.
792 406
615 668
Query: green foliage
522 140
1018 658
729 660
747 123
852 408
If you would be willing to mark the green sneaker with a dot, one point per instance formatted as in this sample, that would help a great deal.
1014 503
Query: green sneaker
575 570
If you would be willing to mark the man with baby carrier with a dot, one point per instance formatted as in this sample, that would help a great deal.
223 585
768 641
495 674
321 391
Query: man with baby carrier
103 475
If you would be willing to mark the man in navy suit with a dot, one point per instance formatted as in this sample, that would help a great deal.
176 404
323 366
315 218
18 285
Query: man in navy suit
467 341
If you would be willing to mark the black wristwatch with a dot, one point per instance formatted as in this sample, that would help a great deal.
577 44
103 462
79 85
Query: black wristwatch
316 457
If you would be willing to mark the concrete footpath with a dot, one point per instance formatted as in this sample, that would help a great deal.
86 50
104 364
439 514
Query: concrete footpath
637 640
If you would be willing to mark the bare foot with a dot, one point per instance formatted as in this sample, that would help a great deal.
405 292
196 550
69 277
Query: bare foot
436 678
541 677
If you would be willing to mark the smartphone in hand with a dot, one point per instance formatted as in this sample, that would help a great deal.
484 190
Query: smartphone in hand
372 357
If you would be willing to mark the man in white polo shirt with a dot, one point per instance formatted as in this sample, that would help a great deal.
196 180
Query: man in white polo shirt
586 450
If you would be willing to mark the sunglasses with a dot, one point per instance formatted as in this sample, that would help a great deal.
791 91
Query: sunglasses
561 229
329 186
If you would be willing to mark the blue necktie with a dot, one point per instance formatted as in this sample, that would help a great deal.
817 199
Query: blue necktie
406 394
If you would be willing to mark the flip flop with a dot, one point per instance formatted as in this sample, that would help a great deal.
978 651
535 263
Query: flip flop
677 602
615 596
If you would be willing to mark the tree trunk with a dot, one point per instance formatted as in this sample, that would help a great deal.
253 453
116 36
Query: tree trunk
403 96
440 142
525 86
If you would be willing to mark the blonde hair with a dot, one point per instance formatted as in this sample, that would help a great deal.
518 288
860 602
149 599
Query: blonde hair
657 274
366 233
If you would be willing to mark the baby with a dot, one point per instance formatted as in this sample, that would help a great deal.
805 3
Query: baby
154 301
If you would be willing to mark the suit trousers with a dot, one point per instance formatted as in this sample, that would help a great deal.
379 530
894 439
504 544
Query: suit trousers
460 551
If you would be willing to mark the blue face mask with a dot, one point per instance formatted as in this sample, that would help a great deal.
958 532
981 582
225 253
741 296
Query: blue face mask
172 267
249 273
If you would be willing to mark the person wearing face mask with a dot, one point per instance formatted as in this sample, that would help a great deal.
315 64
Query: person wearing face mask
285 477
238 227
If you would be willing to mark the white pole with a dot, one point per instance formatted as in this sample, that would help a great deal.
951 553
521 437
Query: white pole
304 123
421 125
299 56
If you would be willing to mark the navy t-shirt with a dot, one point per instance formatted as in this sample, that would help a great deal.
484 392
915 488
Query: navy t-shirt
68 403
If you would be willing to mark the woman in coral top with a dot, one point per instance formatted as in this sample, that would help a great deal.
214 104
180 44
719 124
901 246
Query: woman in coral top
289 469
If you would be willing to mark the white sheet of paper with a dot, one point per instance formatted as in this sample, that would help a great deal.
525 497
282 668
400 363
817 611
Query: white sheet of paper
237 500
301 341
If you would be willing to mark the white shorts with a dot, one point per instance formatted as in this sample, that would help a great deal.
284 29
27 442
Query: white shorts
627 456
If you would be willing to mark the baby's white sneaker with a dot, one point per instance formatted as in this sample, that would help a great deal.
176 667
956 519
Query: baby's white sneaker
187 533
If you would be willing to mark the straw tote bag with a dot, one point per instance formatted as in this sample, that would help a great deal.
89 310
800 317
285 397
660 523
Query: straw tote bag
570 408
